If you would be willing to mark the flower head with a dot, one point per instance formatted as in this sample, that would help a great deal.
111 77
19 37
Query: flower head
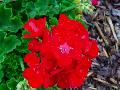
65 53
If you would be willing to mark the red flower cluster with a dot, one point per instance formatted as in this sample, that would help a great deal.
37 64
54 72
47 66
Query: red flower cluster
59 56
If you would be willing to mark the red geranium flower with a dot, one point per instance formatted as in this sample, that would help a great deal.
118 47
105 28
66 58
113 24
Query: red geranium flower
35 28
65 54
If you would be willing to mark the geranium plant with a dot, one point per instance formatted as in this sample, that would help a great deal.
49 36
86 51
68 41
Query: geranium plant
60 56
42 14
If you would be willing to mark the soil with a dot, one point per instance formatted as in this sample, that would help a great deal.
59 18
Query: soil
104 26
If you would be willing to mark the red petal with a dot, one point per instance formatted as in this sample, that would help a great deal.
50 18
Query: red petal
63 80
94 50
34 45
63 60
34 79
91 49
35 27
31 59
63 18
77 78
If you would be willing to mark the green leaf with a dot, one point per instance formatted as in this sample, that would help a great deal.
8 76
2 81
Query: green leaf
53 21
16 6
1 75
7 22
0 66
8 43
11 84
6 1
42 6
2 34
3 86
30 9
21 63
54 9
5 13
15 23
69 8
22 85
23 48
2 57
11 66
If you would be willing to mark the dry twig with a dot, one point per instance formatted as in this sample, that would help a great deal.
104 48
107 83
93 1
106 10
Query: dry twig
105 52
89 74
104 82
100 32
113 31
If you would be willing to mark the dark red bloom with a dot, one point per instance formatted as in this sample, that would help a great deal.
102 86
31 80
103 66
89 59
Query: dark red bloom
65 54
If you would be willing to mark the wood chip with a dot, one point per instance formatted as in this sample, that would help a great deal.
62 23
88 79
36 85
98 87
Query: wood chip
104 82
112 28
101 33
105 52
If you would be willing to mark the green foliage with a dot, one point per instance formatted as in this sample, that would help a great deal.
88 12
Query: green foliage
12 67
42 7
8 22
13 15
11 84
3 86
1 75
7 44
